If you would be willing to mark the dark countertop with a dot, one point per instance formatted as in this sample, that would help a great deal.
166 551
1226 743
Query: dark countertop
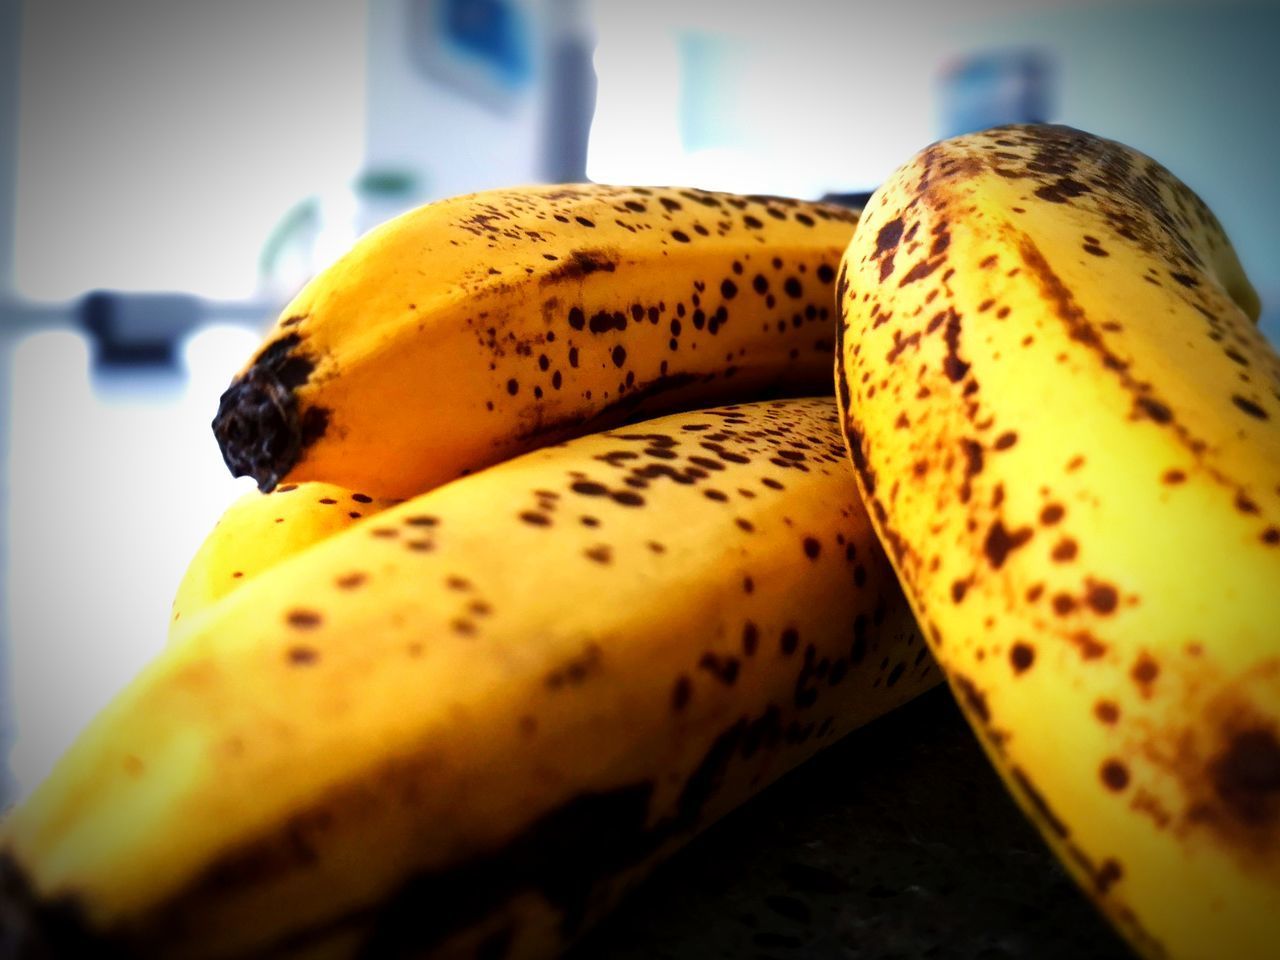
897 842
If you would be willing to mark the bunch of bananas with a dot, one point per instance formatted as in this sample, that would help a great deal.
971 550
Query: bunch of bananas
564 548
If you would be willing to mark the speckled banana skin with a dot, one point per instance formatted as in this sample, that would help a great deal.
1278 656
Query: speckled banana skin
476 328
258 531
465 726
1067 429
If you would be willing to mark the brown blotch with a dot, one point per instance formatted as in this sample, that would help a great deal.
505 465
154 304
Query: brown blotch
723 669
1051 514
350 581
973 466
789 640
1107 875
302 656
812 547
888 238
1246 776
1145 671
1115 775
1090 647
1102 597
1065 550
1022 656
1061 190
601 553
919 271
1154 409
1249 407
1106 711
1001 542
953 366
581 263
1063 604
576 670
1244 504
303 619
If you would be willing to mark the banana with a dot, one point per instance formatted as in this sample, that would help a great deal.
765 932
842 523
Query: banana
1067 428
476 328
258 531
466 726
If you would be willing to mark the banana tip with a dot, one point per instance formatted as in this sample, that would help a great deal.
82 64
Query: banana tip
258 426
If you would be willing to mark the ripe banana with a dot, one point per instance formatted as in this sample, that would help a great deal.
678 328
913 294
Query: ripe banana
258 531
1067 429
466 726
473 329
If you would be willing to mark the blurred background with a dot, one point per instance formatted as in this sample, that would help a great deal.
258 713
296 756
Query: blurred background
172 171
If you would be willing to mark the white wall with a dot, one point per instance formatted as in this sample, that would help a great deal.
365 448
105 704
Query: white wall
160 140
816 95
